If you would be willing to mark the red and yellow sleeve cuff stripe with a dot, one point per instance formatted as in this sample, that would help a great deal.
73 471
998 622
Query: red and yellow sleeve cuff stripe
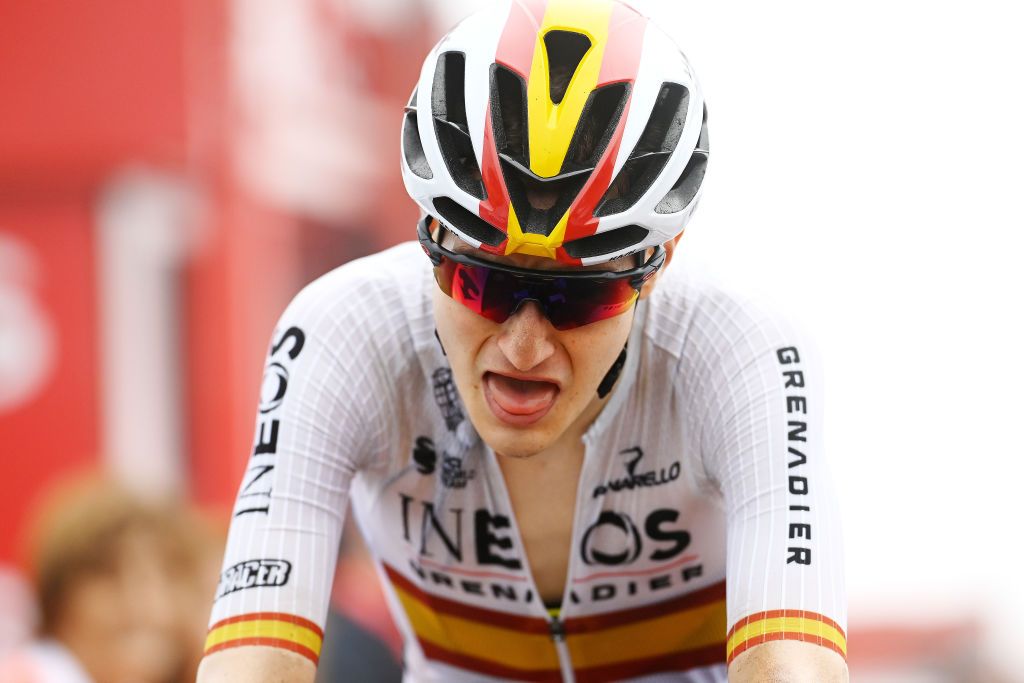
270 629
782 624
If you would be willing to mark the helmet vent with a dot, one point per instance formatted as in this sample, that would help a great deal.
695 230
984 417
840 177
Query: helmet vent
539 202
466 222
605 243
566 50
652 151
686 188
412 143
597 125
508 113
451 126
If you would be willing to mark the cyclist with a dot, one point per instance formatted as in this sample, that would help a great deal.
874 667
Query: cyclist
569 461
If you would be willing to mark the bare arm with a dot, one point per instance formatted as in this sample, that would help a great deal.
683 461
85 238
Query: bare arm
256 664
788 661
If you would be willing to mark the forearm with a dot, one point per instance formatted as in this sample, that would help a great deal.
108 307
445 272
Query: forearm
788 662
256 664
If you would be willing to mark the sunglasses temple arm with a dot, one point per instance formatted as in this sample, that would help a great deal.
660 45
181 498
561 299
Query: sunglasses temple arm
427 242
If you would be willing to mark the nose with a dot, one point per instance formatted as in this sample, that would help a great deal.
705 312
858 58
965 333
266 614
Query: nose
526 337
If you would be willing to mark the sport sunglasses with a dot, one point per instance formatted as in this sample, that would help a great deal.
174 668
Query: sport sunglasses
569 299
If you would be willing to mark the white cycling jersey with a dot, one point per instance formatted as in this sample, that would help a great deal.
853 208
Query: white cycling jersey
704 521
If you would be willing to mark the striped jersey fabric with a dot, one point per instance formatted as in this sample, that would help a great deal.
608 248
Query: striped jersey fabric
704 521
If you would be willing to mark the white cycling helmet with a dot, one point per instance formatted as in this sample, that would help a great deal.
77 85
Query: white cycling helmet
570 129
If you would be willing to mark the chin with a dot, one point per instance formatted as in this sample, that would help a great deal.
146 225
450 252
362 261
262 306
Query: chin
519 449
515 442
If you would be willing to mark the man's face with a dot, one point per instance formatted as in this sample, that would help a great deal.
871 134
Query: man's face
524 383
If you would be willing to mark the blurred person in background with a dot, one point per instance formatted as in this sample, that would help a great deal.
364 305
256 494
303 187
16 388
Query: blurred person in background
120 584
548 442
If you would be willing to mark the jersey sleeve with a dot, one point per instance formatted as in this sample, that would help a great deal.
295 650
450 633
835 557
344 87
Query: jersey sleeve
312 435
762 447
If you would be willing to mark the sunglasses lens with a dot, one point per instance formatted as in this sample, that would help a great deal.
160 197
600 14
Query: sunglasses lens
567 302
585 302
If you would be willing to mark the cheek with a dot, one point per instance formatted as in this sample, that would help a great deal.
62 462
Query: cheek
594 348
462 332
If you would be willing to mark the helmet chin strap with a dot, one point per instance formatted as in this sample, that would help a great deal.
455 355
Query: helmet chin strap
438 338
613 374
607 383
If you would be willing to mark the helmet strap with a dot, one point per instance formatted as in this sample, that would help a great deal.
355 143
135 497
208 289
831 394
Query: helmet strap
613 374
438 338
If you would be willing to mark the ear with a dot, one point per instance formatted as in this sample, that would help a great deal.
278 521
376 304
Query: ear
670 248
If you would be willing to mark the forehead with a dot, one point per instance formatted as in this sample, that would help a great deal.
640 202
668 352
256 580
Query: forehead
450 240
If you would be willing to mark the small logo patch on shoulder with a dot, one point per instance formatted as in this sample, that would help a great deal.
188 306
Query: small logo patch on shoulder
254 574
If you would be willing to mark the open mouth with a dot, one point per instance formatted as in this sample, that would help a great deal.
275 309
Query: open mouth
518 402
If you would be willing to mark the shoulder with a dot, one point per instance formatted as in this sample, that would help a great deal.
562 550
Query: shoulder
704 325
378 299
345 344
393 277
729 358
363 323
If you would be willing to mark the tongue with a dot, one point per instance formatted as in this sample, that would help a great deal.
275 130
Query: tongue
519 396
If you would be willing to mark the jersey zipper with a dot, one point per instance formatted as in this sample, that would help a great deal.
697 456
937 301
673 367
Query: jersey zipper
556 627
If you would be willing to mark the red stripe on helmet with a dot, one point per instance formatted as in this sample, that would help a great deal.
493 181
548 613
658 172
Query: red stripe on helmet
626 41
515 51
494 209
621 63
582 221
519 38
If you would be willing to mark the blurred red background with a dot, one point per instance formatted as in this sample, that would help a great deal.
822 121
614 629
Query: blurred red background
169 99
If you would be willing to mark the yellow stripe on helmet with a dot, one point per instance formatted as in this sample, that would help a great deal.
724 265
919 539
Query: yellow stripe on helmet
531 243
552 125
